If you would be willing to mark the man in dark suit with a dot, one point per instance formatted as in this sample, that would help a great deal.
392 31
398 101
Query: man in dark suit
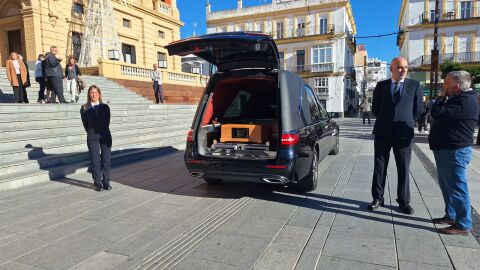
397 103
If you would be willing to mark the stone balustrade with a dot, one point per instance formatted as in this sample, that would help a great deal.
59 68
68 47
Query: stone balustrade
125 71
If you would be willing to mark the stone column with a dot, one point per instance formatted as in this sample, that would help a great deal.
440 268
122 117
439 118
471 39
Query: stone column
31 33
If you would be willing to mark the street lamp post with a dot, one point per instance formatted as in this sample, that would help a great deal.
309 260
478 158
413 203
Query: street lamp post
434 54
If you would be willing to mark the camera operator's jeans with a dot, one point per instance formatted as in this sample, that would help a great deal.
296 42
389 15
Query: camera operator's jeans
452 173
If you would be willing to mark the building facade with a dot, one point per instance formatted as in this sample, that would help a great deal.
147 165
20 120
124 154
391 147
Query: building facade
30 27
369 72
376 71
458 34
361 56
315 39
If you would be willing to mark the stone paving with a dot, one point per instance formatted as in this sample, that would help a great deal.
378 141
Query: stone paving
157 217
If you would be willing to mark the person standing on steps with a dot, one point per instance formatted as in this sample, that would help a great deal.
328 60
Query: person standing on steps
96 121
17 76
25 95
397 103
40 79
72 72
54 74
157 84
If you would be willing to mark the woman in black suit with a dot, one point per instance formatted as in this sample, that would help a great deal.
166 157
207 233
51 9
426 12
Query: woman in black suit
96 120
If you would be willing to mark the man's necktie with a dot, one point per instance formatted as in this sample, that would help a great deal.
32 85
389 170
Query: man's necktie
396 93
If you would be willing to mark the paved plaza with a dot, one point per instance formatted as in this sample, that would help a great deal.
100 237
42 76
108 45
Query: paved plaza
158 217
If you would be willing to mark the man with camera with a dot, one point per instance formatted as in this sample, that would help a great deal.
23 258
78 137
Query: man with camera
54 74
455 115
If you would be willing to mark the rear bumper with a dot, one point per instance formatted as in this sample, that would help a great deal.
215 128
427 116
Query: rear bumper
260 172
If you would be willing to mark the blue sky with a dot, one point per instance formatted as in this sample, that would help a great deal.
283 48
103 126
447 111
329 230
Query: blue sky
368 19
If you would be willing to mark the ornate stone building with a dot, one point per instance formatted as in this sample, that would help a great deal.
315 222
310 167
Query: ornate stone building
144 27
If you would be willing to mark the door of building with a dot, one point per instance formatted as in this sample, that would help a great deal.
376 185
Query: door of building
76 44
15 41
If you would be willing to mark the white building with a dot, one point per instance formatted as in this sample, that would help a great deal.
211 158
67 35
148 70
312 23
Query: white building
196 65
315 38
370 73
376 71
458 34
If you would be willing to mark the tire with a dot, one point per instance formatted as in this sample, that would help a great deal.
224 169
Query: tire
212 181
309 182
336 148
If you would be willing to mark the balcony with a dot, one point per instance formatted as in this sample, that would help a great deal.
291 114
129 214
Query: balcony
464 57
304 32
276 5
314 68
447 16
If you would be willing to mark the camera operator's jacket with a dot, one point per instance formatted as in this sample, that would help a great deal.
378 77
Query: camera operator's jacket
455 120
53 67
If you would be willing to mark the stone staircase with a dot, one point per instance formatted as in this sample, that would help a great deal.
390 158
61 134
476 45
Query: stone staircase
43 142
111 92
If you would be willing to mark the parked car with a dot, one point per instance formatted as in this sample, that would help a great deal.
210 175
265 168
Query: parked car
254 121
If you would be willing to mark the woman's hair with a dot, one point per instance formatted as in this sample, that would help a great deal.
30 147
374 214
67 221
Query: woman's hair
92 87
40 56
71 57
12 53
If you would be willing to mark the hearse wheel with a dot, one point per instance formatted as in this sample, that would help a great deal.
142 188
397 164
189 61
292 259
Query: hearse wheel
309 182
212 181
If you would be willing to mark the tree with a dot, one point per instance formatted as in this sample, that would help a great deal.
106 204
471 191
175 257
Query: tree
475 73
449 66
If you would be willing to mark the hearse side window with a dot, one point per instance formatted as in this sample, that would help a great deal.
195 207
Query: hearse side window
323 112
314 109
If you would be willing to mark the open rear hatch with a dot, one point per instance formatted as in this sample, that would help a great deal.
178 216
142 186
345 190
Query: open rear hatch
230 50
240 120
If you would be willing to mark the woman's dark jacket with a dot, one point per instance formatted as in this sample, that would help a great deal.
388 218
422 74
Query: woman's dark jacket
96 122
77 70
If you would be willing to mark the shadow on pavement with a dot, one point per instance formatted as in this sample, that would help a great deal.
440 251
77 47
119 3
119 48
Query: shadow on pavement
180 183
6 98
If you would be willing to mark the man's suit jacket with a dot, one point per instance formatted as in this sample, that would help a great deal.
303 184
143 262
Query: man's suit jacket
396 121
96 122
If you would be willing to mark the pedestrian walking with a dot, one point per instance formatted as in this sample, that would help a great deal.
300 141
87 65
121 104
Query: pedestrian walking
72 73
40 79
455 115
396 103
96 121
366 108
54 75
422 120
17 76
350 110
157 84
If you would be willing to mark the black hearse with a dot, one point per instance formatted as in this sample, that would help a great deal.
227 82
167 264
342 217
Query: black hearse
254 121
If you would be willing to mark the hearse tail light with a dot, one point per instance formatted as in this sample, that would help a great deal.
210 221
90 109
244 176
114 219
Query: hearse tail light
290 139
190 136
